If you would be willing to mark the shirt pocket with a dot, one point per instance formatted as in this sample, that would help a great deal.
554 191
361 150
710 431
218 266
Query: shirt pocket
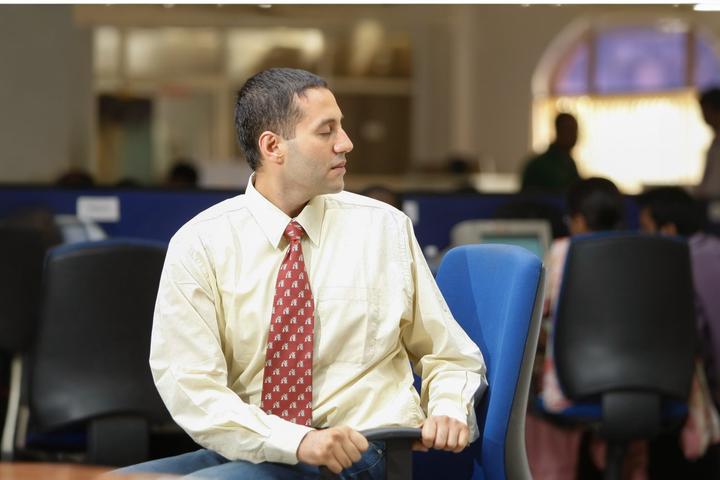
346 324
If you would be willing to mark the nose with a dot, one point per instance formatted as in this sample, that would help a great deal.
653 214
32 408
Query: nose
343 144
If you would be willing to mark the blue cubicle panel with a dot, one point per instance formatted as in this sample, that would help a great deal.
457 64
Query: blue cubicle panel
144 213
434 215
157 213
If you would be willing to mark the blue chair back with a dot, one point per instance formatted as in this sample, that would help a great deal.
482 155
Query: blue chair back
495 293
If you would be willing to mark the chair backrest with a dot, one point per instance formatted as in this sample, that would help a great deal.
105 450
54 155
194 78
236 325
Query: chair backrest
625 316
93 341
22 251
495 294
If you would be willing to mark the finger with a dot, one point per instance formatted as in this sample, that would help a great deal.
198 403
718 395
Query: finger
338 451
428 432
334 466
419 447
441 435
350 449
359 440
452 435
463 438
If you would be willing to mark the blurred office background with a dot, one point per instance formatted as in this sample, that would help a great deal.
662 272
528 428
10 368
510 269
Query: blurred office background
120 91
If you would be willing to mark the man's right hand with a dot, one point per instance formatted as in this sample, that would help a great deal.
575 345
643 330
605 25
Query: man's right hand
336 448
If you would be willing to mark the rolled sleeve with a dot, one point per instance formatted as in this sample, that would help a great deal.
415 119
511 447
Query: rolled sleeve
451 365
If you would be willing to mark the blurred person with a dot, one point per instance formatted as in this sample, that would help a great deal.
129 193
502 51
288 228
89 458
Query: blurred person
673 211
384 194
593 205
183 174
461 167
287 317
554 170
709 186
75 178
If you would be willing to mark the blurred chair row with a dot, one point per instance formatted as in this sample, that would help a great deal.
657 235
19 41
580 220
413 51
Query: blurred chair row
77 323
624 342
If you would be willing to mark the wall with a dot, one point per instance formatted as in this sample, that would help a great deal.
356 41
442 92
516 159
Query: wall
45 93
471 89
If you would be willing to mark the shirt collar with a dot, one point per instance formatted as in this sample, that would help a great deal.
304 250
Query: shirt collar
273 221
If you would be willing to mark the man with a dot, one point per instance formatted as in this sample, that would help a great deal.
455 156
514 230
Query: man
672 211
710 184
554 170
286 317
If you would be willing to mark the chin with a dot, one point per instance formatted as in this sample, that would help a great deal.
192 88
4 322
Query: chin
336 187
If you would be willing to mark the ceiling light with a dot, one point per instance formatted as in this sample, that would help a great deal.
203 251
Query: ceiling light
707 7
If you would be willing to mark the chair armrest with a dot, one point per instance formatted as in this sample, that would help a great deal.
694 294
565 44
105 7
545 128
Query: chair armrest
389 433
398 449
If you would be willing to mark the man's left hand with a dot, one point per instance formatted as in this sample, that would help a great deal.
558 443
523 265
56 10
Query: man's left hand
443 433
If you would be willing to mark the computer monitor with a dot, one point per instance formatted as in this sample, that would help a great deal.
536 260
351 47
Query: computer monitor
534 235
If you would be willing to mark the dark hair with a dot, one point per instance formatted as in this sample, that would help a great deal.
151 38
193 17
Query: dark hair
183 173
599 201
562 117
710 98
75 178
672 205
267 102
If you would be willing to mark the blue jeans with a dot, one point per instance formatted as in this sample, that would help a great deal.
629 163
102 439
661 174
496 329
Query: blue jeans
206 464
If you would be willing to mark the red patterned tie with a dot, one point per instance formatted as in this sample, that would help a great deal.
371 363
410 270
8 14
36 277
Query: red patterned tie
287 379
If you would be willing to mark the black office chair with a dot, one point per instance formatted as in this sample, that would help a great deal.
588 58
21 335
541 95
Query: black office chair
22 251
89 365
625 336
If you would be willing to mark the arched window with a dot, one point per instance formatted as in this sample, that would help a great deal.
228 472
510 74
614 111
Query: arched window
633 88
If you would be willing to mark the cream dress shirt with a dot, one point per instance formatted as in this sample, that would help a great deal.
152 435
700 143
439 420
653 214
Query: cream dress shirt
377 309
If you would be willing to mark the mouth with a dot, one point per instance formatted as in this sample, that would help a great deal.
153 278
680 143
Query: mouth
339 166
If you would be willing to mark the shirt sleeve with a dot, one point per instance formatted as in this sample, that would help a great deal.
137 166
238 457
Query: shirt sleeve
451 365
190 369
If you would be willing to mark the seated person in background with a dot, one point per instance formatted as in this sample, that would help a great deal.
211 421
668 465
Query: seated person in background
594 205
287 317
672 211
75 178
384 194
182 175
554 170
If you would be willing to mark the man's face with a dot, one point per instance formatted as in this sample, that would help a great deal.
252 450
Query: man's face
315 158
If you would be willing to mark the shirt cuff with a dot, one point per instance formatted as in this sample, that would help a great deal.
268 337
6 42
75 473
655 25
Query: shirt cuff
285 438
450 409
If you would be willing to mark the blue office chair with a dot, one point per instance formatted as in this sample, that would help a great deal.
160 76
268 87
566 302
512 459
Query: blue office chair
495 293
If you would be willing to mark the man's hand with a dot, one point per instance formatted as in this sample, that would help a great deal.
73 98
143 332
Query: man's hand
336 448
443 433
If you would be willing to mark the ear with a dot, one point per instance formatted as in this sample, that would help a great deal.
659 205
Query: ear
272 147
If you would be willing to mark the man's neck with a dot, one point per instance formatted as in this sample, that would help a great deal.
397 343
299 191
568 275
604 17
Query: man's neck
282 196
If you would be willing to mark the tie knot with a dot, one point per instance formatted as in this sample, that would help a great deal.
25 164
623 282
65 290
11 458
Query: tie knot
293 231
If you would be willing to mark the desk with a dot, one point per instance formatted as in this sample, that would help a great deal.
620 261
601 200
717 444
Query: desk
61 471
